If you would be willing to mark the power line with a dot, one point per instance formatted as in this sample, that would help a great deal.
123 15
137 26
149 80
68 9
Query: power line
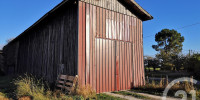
187 26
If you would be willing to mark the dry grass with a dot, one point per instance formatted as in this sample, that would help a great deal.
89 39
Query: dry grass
29 87
86 91
158 88
25 98
3 96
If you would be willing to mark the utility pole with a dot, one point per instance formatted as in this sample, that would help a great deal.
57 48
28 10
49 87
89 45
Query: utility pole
189 52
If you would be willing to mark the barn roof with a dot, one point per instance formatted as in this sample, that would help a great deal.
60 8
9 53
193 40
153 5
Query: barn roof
130 4
138 10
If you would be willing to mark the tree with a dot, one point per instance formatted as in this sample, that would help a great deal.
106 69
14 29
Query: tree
169 45
151 62
193 65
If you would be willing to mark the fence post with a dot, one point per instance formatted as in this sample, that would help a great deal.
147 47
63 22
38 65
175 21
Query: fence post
191 81
147 80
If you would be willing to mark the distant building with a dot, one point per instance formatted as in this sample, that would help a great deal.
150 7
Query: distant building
99 40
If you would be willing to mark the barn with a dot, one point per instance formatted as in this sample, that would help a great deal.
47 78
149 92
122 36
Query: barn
101 41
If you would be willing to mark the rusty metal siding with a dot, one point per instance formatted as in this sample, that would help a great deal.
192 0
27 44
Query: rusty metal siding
113 5
113 49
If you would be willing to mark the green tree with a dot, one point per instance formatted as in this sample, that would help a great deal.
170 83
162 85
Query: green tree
169 45
151 62
193 65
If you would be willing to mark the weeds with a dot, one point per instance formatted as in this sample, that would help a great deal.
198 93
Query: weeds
3 96
158 88
29 87
86 91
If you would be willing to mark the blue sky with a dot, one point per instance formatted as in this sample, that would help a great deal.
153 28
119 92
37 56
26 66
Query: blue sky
172 14
16 16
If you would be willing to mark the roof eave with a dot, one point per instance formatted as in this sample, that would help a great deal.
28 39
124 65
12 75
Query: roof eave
136 9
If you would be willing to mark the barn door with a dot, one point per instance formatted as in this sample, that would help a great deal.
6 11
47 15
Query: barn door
113 65
123 65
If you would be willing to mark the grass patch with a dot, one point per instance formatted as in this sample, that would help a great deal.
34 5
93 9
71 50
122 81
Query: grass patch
107 97
133 95
158 92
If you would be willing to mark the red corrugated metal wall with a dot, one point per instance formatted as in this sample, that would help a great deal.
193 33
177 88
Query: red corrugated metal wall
110 49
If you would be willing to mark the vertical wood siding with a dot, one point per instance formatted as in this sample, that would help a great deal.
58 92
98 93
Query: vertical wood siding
52 42
10 53
111 55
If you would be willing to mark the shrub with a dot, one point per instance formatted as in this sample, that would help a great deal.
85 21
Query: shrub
30 86
3 96
198 94
86 91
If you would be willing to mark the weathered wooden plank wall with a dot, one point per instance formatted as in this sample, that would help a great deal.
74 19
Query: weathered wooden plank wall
10 56
113 59
2 67
50 44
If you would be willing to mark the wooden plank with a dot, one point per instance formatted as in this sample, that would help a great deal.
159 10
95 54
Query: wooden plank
70 78
61 82
69 84
68 89
62 77
60 86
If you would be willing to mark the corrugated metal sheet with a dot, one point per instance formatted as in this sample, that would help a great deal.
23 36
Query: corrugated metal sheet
111 55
